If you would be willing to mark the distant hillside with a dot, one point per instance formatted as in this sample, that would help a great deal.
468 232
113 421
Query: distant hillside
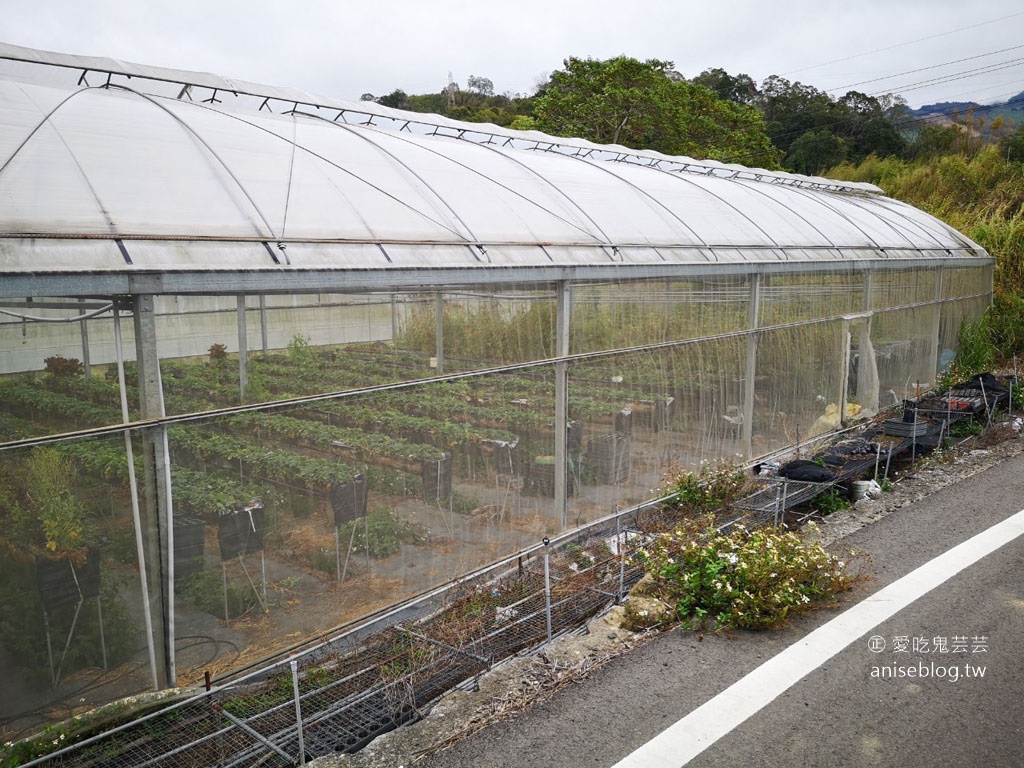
944 108
1012 110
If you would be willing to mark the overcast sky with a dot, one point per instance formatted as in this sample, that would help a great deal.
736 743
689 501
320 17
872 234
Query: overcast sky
343 49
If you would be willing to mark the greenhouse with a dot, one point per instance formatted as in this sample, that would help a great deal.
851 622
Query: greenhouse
273 362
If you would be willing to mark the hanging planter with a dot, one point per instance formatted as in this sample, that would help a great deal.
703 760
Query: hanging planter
437 478
348 500
240 530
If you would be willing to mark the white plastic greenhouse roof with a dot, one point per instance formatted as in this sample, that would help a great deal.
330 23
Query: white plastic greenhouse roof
110 179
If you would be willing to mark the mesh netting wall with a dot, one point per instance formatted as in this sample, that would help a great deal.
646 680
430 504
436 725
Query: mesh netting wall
392 442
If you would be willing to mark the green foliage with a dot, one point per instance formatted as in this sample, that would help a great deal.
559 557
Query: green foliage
645 105
64 366
707 491
934 141
829 502
975 352
205 590
382 532
982 195
967 428
814 151
299 350
477 104
1012 145
739 88
809 126
745 579
462 504
45 512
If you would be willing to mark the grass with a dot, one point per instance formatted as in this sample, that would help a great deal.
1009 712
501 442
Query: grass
982 195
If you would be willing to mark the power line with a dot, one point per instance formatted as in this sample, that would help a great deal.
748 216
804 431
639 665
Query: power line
924 69
957 76
902 45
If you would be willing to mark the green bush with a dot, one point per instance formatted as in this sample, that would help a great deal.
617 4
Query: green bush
744 579
205 590
708 490
382 532
829 502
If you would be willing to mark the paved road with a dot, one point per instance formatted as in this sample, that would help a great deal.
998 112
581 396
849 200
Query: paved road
838 714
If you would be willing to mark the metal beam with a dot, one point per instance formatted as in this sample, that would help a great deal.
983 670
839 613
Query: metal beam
243 350
93 284
753 321
562 320
157 520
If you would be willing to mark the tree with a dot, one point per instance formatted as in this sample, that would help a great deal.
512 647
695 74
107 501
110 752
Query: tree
935 140
861 121
481 85
397 99
792 109
739 88
636 103
1012 145
815 152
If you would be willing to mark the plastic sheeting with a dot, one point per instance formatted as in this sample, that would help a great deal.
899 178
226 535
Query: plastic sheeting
113 163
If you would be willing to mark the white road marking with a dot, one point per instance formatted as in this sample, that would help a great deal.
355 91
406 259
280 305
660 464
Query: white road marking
687 738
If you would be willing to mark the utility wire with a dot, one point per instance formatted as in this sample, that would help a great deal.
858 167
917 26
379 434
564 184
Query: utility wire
902 45
956 76
925 69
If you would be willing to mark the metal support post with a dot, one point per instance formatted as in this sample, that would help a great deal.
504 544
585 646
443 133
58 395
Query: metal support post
133 487
439 330
264 342
936 341
561 490
547 587
753 322
157 523
298 711
86 362
622 556
243 350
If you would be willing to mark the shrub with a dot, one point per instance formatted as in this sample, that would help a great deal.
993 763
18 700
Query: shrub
708 490
205 590
829 502
743 579
382 532
64 366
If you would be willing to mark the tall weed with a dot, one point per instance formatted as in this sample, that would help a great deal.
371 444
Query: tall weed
981 195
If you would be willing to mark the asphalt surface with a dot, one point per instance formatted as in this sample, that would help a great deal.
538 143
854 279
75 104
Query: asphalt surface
839 714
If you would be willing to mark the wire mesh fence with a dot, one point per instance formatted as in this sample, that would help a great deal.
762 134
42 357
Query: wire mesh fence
340 695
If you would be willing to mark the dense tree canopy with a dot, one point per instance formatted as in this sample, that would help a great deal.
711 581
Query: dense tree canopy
739 88
645 105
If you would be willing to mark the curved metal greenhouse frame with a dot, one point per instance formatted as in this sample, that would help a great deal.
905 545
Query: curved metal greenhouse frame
542 328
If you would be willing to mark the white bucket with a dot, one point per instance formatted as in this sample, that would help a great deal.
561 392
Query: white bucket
859 489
